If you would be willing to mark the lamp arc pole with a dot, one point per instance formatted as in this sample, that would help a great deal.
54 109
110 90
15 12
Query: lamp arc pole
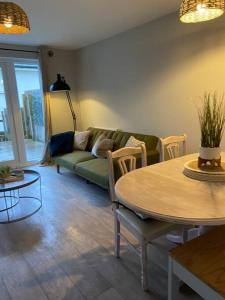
61 86
72 110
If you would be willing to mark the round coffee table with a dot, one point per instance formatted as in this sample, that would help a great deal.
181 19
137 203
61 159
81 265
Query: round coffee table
14 204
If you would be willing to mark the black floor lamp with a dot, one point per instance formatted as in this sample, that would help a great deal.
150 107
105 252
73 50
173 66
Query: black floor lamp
61 86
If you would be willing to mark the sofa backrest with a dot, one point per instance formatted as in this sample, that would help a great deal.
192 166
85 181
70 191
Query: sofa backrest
120 138
95 133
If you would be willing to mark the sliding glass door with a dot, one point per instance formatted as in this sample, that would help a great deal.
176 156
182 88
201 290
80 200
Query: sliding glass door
21 112
31 109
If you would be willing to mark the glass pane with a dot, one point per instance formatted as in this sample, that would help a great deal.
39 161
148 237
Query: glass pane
31 108
6 148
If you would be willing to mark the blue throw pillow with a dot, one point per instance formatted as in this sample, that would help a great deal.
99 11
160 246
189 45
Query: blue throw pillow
61 143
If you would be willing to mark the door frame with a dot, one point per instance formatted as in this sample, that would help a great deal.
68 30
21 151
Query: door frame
8 99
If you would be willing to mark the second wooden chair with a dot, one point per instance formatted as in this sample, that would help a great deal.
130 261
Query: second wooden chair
173 146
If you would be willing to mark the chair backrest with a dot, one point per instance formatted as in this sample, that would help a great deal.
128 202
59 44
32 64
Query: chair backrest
174 146
126 160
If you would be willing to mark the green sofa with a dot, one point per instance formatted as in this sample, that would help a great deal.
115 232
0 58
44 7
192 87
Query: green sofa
94 169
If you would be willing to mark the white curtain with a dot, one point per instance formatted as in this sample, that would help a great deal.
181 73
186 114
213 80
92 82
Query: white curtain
47 114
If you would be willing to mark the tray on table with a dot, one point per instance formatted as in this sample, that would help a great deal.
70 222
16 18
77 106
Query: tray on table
205 173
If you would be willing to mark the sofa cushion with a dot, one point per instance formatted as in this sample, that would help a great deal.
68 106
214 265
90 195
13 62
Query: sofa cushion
95 170
71 159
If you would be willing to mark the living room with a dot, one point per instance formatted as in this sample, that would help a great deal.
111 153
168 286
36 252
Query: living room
141 78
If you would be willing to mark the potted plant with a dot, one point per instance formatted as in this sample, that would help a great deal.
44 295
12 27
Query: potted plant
5 171
212 120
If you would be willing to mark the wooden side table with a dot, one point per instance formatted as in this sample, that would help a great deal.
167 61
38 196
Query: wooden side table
200 264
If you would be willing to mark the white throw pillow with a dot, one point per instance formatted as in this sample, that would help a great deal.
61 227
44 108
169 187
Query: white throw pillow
132 142
99 139
81 140
101 146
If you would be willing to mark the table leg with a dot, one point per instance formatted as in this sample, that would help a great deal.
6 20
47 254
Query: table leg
173 282
6 205
185 233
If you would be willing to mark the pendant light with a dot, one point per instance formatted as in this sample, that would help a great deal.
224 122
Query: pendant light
13 19
194 11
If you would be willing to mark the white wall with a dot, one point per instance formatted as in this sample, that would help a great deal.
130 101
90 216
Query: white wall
149 79
62 62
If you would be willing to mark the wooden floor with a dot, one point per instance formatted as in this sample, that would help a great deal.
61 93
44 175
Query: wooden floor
65 251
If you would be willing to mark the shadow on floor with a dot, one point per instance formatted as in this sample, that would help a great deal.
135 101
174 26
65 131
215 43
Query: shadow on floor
18 237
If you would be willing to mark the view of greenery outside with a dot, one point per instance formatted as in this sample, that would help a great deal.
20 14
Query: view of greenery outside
32 116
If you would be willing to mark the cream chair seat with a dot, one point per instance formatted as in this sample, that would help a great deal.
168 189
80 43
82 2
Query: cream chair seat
149 229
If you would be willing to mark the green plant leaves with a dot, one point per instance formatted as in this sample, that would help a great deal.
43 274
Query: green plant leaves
5 171
212 119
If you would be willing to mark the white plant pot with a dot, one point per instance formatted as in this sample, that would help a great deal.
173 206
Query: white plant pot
209 153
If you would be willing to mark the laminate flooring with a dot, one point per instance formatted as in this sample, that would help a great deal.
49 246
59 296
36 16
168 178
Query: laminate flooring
65 251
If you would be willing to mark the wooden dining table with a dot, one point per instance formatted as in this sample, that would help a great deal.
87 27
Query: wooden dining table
163 192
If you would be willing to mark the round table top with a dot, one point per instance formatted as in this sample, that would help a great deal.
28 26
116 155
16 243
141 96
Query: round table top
30 176
163 192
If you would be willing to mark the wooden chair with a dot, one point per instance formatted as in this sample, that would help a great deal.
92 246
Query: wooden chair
172 145
143 230
200 264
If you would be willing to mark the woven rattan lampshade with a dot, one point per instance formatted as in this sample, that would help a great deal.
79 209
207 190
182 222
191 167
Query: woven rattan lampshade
13 19
193 11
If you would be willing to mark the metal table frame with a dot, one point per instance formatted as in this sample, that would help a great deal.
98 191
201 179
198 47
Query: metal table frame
11 192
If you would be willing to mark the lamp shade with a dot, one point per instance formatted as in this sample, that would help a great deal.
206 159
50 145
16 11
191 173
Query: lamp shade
60 85
13 19
194 11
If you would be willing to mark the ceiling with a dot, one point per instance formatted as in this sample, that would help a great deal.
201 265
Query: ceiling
72 24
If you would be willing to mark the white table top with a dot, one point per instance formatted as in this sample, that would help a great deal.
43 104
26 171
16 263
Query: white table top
163 192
